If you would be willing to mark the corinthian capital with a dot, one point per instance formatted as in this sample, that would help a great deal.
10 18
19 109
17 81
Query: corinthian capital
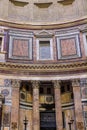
35 83
56 83
75 82
16 83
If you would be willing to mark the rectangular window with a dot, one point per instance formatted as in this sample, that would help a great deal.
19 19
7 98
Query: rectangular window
44 50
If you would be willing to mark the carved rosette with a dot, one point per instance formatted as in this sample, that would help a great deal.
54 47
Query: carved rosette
35 84
75 82
16 83
56 83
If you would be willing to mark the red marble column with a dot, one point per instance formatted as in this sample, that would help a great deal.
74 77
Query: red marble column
78 105
58 108
15 105
36 116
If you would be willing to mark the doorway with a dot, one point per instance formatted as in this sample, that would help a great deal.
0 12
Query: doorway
47 120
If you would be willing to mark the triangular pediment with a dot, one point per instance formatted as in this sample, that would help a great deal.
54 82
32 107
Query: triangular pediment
44 33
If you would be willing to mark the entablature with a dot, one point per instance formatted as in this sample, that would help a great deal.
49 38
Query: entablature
64 67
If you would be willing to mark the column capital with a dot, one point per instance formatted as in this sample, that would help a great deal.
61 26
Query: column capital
75 82
56 83
35 84
15 83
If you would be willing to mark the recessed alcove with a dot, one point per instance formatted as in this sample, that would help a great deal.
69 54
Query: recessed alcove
65 2
43 5
19 2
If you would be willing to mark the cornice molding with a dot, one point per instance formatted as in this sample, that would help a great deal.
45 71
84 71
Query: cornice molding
44 67
42 26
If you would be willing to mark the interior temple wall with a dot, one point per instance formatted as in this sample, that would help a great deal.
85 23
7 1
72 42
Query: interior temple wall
43 64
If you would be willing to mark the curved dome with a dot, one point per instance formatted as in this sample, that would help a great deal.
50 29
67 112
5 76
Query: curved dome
42 12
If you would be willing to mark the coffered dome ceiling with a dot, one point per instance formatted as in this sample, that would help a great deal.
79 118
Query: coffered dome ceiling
41 12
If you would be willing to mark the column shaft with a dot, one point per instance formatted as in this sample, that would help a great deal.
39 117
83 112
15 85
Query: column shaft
78 105
15 105
58 108
36 117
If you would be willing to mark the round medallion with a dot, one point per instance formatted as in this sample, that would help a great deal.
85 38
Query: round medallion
5 92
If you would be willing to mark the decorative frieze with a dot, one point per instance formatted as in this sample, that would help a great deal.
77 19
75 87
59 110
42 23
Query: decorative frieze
45 67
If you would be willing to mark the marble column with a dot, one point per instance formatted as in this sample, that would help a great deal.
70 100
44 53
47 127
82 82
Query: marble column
15 105
58 108
78 105
36 116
